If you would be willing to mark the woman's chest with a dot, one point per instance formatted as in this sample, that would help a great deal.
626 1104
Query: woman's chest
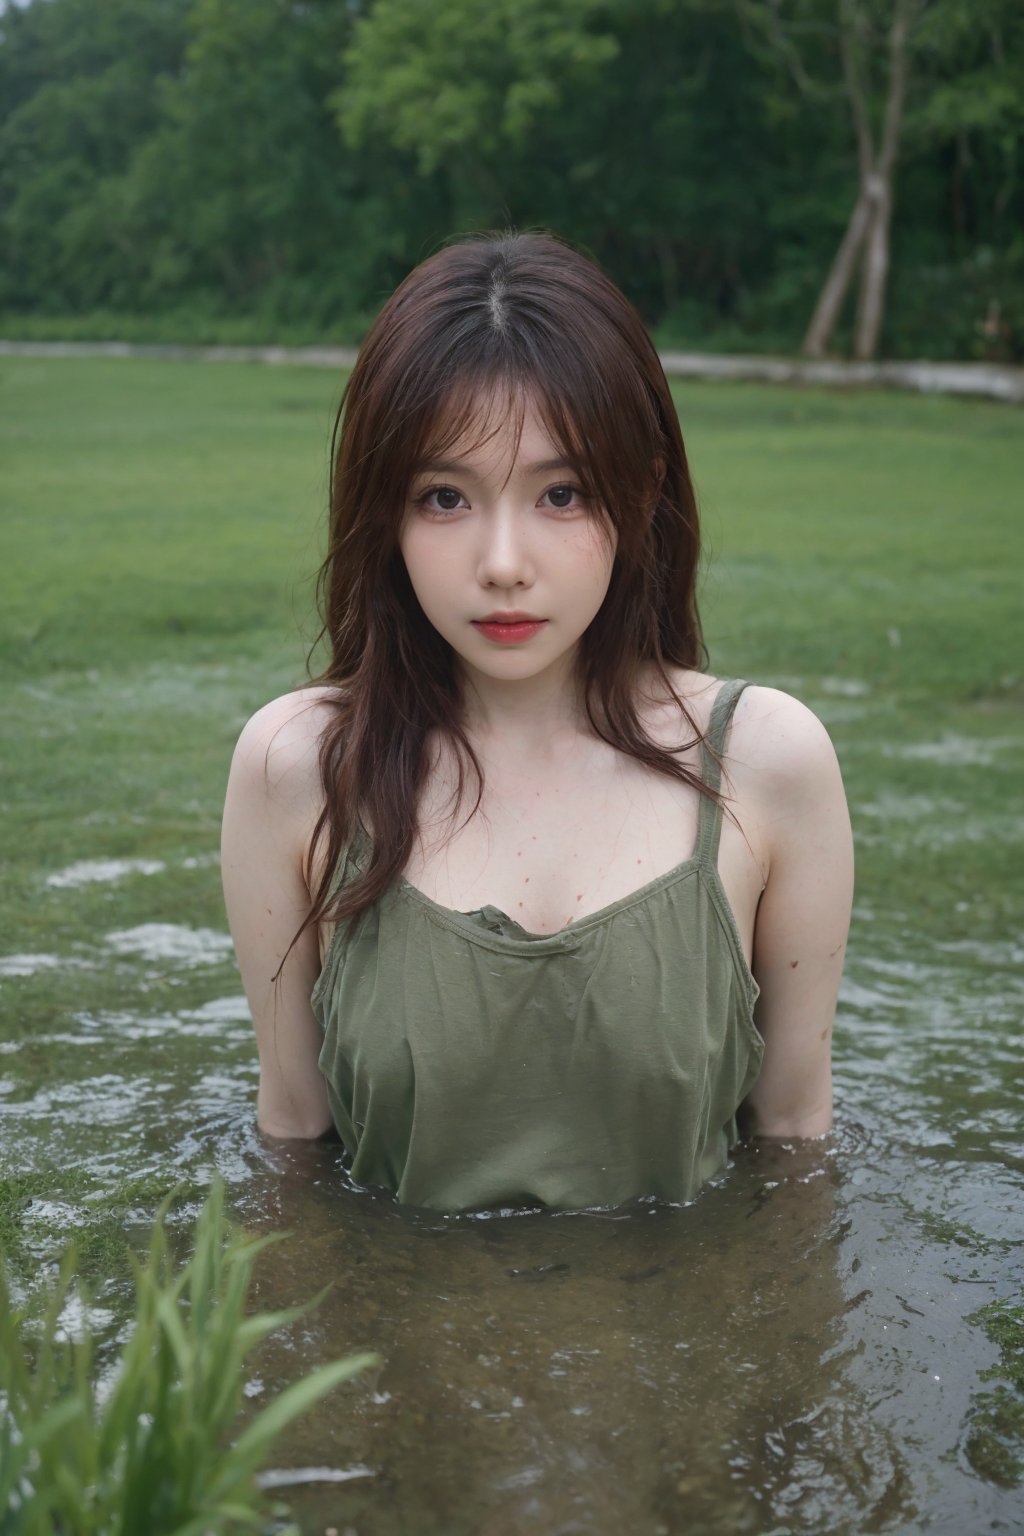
550 850
545 865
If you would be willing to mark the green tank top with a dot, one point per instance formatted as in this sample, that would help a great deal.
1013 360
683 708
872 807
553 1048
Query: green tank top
470 1063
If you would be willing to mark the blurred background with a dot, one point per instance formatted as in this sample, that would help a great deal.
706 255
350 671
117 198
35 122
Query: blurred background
839 176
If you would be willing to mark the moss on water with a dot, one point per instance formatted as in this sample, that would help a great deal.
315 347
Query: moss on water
958 1234
994 1445
40 1209
1003 1322
994 1439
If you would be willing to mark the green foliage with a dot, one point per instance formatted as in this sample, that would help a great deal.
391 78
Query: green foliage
466 78
80 88
146 1446
283 163
241 183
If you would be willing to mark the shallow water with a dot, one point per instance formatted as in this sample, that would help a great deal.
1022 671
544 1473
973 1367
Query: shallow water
800 1350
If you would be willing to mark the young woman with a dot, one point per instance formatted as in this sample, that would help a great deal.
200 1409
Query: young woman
527 904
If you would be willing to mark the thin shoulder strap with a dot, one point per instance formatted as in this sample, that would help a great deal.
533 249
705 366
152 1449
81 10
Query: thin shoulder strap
709 824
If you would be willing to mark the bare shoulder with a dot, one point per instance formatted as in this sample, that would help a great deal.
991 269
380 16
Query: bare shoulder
780 771
772 734
783 769
277 752
777 741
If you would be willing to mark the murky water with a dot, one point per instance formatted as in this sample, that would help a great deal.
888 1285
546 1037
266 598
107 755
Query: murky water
803 1349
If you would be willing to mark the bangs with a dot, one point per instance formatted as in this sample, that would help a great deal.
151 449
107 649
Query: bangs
472 412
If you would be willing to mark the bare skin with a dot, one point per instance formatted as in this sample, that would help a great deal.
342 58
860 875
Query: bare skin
566 825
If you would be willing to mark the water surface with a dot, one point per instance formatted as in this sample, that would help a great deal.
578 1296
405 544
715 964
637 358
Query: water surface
809 1346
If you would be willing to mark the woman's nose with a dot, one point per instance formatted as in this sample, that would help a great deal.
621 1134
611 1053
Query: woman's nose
505 560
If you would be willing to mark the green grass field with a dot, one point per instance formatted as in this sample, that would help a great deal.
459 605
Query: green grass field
163 512
163 521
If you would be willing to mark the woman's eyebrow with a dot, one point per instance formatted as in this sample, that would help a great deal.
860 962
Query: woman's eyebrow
545 466
441 467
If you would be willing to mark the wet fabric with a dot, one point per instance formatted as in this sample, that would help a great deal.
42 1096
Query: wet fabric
470 1063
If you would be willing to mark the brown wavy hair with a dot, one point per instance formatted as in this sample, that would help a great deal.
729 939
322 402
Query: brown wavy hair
514 317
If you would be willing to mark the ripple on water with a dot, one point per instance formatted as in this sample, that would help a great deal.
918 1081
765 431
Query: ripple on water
207 1021
794 1341
174 942
915 820
102 872
13 966
29 965
846 687
221 1010
77 1319
954 750
201 861
928 1044
892 805
108 1099
1002 953
295 1477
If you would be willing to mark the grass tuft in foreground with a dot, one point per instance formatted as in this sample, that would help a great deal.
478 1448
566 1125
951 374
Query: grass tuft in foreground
148 1445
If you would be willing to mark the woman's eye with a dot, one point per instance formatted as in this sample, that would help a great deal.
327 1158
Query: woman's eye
440 498
565 496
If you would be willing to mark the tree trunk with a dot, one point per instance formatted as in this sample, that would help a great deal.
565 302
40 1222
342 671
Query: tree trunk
875 272
870 221
844 264
871 299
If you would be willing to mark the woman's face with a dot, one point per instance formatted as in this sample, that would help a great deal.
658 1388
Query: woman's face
492 531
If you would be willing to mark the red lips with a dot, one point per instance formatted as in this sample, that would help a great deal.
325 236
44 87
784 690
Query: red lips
509 631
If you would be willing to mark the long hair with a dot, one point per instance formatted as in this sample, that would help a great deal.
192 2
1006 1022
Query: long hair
517 317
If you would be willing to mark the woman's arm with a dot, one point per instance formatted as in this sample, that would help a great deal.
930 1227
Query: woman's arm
272 800
802 920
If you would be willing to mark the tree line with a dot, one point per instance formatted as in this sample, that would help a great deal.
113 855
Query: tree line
841 176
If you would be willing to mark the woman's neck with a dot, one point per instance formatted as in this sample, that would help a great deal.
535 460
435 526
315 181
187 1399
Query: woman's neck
537 716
